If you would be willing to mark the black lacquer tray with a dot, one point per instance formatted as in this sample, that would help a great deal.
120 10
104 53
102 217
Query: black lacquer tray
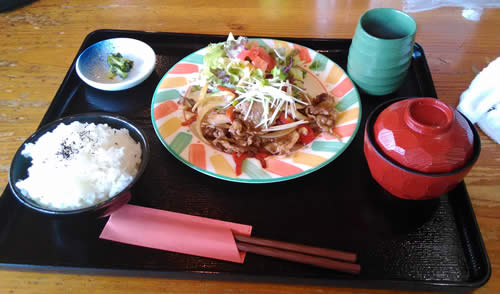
425 245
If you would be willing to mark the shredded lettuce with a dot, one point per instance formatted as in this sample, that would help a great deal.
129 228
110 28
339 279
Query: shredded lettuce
297 73
279 73
207 73
277 90
297 61
235 70
315 65
258 75
215 56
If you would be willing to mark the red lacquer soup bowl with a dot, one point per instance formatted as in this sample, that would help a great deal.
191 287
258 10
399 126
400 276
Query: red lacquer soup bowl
424 134
442 171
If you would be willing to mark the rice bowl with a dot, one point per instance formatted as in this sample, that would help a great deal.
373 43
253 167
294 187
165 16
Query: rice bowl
79 164
89 175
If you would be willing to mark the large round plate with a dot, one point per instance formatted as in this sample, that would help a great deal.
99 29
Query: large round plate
323 75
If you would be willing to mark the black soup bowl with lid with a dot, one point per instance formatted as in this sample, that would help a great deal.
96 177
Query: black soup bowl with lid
20 164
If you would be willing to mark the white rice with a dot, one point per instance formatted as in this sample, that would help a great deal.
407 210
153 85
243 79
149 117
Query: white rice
79 165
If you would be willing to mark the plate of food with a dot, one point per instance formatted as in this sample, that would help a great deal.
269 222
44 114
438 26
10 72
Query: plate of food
256 110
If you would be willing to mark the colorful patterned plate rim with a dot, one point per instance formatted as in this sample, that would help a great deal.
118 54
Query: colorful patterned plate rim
323 75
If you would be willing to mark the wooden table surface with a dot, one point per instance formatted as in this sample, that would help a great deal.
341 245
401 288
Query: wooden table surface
39 41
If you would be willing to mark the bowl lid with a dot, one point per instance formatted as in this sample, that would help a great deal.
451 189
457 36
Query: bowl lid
424 134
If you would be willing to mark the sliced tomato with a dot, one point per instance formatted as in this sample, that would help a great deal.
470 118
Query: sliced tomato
222 88
306 133
259 57
189 121
230 113
285 119
267 58
303 54
261 157
260 63
243 54
251 54
238 160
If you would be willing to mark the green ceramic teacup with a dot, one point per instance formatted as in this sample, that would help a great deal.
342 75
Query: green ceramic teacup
381 50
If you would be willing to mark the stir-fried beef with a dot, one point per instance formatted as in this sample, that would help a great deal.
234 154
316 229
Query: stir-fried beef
237 128
236 138
283 144
240 135
229 147
255 115
322 111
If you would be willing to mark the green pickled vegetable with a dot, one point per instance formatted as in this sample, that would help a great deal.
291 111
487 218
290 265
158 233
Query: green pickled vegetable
119 65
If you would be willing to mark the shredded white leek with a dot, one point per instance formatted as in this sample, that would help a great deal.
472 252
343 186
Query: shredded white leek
273 99
278 54
286 126
278 133
249 109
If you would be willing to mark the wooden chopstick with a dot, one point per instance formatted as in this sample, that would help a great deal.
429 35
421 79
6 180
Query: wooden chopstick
316 256
334 254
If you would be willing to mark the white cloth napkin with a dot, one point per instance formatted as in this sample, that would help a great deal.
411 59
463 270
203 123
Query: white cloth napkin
480 103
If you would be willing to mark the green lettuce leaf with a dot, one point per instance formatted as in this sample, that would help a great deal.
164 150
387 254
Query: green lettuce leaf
279 73
212 58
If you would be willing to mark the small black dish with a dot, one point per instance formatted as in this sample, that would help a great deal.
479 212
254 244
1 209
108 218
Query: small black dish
20 165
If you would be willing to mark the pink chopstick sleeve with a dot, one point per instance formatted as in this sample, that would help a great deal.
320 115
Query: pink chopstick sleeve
177 232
